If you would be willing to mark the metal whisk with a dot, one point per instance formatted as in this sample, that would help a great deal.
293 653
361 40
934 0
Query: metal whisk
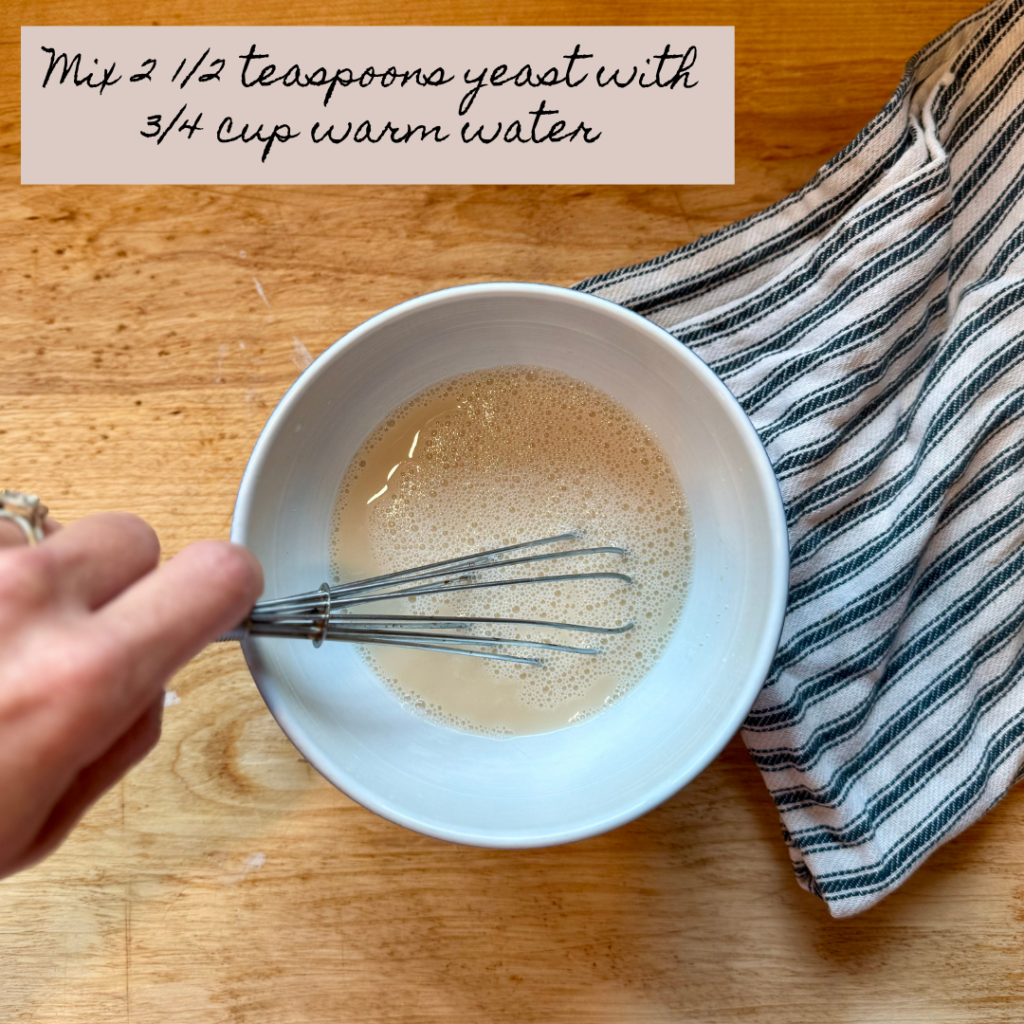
324 614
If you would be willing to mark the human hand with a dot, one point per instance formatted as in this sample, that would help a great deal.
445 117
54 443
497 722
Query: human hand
90 630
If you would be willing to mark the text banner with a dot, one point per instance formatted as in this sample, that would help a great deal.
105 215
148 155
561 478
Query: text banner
377 105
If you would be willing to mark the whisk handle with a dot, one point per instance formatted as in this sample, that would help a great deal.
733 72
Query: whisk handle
238 633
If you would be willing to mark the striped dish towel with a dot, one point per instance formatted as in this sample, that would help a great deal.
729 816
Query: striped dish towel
872 326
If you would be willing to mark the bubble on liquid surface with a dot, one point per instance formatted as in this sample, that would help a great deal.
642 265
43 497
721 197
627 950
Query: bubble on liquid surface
492 458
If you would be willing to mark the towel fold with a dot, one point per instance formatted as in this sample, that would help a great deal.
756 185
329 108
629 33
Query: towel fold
872 326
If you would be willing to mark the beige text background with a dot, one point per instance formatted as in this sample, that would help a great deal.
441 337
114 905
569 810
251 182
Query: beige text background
641 133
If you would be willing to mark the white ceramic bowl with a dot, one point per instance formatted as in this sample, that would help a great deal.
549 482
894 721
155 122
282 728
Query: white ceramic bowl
575 782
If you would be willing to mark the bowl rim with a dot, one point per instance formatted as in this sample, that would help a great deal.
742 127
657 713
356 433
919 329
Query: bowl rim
717 739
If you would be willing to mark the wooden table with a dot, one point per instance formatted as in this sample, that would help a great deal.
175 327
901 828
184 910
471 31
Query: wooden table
224 880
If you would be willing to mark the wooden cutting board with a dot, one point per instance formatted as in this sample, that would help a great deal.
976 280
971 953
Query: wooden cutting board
147 334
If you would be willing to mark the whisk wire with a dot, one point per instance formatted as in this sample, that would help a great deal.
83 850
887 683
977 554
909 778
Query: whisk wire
323 614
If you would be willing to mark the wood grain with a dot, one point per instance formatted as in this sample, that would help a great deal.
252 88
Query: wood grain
224 880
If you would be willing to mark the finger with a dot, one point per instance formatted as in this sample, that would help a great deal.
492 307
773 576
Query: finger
97 557
93 781
168 616
12 535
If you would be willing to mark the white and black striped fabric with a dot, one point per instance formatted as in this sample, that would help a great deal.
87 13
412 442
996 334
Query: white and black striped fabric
872 326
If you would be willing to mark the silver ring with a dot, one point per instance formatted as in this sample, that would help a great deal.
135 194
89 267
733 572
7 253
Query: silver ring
27 511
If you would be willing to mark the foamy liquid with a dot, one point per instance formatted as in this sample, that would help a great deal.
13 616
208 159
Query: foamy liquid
492 458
